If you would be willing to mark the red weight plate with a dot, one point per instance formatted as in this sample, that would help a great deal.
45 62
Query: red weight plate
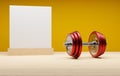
101 44
76 45
79 44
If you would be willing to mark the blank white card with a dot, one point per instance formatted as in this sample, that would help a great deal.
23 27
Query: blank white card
30 26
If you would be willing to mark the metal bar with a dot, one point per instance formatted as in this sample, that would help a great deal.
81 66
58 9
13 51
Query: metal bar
93 43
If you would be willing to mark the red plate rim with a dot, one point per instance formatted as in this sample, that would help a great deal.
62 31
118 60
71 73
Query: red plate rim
76 45
79 44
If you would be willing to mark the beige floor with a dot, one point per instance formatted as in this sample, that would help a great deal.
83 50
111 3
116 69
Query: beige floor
60 64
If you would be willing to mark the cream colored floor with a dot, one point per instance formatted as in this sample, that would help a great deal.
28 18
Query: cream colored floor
60 64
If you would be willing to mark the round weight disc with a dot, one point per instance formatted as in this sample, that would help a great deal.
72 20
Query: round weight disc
76 45
79 44
99 49
70 48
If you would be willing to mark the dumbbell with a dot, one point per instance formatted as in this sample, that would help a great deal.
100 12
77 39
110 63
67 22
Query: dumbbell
96 44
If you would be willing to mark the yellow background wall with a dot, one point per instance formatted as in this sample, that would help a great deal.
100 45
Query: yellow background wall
70 15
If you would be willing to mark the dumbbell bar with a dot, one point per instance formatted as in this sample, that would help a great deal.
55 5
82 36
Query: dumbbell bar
96 44
93 43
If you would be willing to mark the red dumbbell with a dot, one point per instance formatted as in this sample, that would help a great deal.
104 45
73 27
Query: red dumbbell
96 44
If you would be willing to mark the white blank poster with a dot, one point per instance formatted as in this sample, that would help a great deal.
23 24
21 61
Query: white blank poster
30 26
